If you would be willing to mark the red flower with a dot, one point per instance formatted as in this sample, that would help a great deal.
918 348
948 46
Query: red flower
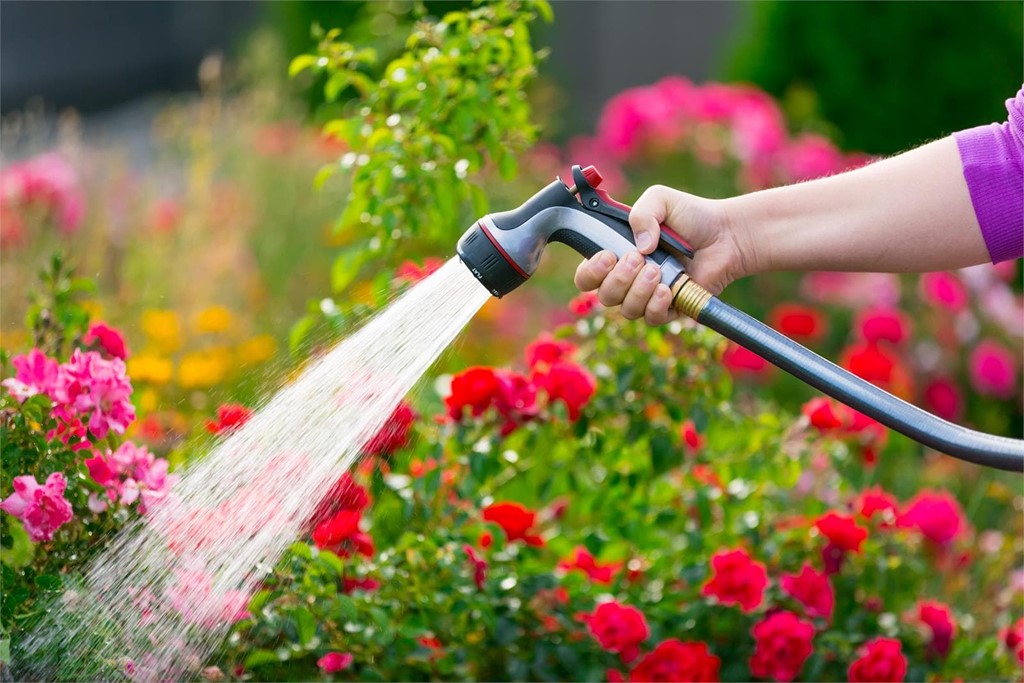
479 566
349 586
515 520
1013 638
618 628
737 579
108 339
567 382
429 642
692 440
944 290
476 388
230 417
783 642
939 620
936 514
341 527
841 531
333 662
547 350
411 272
824 414
395 432
584 303
802 323
739 360
883 324
345 494
674 660
881 660
943 397
582 560
877 500
812 589
870 362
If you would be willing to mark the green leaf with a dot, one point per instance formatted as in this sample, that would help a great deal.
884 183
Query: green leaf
261 657
49 582
22 549
664 454
305 625
323 175
298 333
330 561
346 269
301 63
335 84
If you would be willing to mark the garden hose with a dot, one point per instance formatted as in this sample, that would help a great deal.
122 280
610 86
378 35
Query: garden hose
504 249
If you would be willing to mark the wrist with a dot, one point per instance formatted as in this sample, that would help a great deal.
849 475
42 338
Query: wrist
751 255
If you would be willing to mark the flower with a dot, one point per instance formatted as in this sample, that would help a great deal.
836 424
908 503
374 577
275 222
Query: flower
943 397
944 290
350 585
36 374
876 500
515 520
802 323
475 388
108 339
783 642
148 367
939 620
812 590
46 181
546 351
882 324
993 370
737 579
93 386
1013 638
479 566
692 440
163 327
739 361
936 514
230 416
811 156
582 560
675 660
871 362
213 319
841 531
569 383
584 303
880 660
333 662
195 597
41 508
618 628
204 368
823 414
130 474
412 272
394 434
259 349
342 526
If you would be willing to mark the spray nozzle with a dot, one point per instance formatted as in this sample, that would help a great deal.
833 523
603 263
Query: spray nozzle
503 249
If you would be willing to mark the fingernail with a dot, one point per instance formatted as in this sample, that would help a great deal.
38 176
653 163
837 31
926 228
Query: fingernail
606 258
643 240
634 259
650 272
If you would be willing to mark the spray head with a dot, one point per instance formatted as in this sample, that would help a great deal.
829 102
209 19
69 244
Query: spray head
503 249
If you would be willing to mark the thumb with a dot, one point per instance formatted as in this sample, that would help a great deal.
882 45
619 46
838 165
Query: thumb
647 215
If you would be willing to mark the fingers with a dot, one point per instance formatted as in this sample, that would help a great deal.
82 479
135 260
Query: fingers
634 305
658 311
628 281
613 290
592 272
651 210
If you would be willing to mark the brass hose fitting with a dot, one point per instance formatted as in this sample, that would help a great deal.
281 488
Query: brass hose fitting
688 297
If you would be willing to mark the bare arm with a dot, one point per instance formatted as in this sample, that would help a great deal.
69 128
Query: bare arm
911 212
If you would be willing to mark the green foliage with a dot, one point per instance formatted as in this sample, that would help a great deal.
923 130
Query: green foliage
889 75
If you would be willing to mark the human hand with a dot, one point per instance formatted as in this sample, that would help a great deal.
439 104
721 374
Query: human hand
703 223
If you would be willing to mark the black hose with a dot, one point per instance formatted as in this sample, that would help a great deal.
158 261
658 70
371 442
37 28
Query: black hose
807 366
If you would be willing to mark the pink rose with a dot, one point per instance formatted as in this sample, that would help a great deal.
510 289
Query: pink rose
42 509
993 370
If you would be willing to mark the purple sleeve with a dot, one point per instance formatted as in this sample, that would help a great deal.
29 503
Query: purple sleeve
992 160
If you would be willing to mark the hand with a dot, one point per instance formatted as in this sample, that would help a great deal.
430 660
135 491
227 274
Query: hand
703 223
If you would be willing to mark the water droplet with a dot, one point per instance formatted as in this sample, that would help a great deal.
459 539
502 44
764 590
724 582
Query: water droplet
399 75
392 120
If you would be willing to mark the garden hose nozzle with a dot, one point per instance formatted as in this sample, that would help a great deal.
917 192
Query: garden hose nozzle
503 250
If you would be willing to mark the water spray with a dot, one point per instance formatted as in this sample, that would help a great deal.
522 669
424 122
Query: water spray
503 250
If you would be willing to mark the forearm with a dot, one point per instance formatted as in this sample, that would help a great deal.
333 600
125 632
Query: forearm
908 213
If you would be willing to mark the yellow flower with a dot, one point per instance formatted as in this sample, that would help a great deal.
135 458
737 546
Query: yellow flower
148 400
204 368
149 367
257 350
213 319
94 308
163 327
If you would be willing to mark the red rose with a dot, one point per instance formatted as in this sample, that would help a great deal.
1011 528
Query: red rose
479 566
230 417
569 383
515 520
841 531
739 360
871 362
674 660
737 579
584 303
880 660
411 272
883 324
618 628
877 501
943 397
939 620
516 402
475 388
345 494
108 339
395 432
802 323
936 514
783 642
692 439
1013 638
349 586
824 414
341 527
547 350
812 589
582 560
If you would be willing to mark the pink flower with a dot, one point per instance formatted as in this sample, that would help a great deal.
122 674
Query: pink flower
130 474
855 290
46 181
90 385
194 596
812 590
36 374
940 622
944 290
943 398
883 324
936 514
737 579
42 509
583 304
108 339
546 350
618 628
333 662
879 660
993 370
811 156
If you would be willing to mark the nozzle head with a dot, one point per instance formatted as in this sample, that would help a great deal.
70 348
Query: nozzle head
486 259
